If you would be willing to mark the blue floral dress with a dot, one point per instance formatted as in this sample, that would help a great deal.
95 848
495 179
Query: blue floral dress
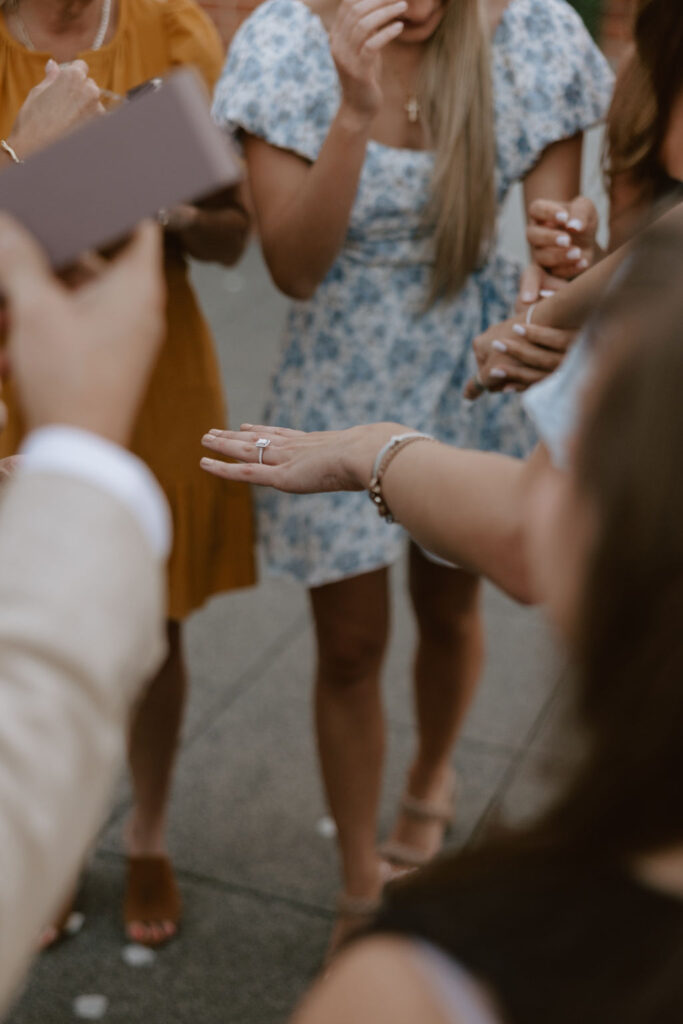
364 349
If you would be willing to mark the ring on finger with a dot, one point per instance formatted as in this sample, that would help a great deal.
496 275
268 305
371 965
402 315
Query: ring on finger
479 384
261 444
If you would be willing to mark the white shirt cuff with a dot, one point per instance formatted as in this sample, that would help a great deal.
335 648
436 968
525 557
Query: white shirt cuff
78 453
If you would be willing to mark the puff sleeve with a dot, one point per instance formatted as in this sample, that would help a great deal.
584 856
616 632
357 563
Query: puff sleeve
551 81
279 81
193 39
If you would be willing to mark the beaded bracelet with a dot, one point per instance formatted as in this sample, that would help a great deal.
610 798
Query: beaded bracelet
384 457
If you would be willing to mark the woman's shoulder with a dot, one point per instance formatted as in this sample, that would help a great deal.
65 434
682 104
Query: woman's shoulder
530 20
283 22
189 34
551 80
545 44
279 81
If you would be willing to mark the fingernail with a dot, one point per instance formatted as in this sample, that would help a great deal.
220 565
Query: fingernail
582 265
499 346
575 225
574 254
214 430
528 296
498 373
208 439
509 389
208 462
564 241
519 329
562 217
546 293
247 426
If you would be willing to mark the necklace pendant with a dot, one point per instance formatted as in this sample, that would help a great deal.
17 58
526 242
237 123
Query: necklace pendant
412 109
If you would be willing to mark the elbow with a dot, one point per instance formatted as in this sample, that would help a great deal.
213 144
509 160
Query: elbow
294 286
292 280
514 575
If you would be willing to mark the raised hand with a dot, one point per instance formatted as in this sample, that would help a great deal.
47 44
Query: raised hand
358 34
82 357
65 98
562 237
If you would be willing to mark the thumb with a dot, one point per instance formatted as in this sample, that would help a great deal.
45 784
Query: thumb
25 274
530 284
51 73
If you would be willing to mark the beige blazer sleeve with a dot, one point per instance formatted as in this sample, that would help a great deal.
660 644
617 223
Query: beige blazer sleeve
81 615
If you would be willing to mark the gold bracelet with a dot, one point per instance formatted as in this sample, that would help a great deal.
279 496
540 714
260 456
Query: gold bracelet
10 151
384 456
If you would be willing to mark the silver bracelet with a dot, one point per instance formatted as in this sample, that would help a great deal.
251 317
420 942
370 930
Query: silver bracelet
382 460
4 144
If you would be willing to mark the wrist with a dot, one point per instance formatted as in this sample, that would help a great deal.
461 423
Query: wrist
361 450
354 122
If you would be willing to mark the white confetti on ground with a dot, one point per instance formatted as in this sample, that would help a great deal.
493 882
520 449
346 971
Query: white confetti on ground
90 1007
74 923
138 956
326 827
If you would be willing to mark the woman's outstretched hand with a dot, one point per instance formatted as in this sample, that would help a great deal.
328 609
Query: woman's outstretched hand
294 461
360 30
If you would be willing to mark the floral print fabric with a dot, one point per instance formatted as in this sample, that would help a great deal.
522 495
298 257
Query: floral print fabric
365 348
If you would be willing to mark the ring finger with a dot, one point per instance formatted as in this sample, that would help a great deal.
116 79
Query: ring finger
236 444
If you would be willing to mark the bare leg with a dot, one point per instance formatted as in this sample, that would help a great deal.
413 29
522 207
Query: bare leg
152 746
351 621
447 668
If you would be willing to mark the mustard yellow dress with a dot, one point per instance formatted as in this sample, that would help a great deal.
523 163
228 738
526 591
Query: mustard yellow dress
213 545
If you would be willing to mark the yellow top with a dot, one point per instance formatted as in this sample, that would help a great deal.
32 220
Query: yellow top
212 519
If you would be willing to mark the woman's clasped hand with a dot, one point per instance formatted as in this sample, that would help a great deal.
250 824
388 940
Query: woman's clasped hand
515 354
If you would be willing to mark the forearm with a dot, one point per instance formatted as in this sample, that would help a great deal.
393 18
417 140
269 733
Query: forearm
303 238
465 506
79 633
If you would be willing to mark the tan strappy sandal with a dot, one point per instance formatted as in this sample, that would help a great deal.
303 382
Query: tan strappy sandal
402 857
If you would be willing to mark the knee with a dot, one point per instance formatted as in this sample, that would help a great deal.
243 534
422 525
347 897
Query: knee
350 659
449 616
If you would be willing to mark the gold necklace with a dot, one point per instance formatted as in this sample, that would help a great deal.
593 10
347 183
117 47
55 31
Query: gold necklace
412 106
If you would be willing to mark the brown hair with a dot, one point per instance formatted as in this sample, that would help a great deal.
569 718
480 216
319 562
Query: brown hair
456 96
549 915
647 87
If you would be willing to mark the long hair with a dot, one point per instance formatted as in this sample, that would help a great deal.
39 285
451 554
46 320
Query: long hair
456 97
546 913
643 100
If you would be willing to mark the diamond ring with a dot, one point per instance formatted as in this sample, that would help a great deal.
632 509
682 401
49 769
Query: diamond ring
262 443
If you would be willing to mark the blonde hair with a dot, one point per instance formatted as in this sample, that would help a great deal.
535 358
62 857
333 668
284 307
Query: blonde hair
456 96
